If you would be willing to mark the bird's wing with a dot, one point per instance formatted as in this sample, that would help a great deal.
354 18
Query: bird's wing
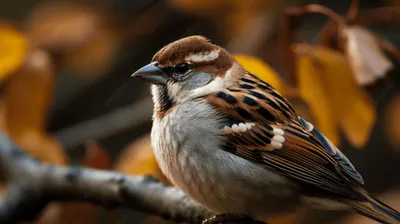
266 130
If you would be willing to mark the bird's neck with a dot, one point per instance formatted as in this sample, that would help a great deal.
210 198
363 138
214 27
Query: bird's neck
162 100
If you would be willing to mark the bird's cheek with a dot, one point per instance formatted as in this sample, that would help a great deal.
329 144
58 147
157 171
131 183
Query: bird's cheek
196 80
174 89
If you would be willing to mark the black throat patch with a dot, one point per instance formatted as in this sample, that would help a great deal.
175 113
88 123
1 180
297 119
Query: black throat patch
164 99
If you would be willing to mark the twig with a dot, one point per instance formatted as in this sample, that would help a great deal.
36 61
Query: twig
288 37
32 185
313 8
351 16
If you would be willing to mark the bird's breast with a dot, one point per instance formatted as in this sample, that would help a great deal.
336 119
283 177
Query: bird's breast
184 141
188 148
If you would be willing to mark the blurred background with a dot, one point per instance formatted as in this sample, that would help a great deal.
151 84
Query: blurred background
67 96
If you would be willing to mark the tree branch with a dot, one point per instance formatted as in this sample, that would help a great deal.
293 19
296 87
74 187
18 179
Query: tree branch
32 185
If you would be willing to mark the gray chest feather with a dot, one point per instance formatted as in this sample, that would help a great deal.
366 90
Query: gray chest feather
187 146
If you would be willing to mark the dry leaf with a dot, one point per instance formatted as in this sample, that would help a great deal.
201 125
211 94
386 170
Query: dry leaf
368 61
14 47
138 159
96 156
353 109
262 71
312 90
27 96
392 121
60 26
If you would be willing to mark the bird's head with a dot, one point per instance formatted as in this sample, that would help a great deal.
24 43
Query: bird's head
186 69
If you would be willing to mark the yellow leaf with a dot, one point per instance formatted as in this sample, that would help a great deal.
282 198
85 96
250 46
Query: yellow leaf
13 47
138 159
312 90
27 96
352 108
262 71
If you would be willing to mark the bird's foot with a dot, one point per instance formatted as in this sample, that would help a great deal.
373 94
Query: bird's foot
231 219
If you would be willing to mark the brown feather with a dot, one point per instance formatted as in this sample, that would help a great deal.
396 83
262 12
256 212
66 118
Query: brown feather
301 157
260 103
176 52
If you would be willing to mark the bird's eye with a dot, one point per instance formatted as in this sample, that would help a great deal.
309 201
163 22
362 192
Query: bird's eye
182 68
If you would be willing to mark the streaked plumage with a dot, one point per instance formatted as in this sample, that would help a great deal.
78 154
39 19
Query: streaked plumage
235 145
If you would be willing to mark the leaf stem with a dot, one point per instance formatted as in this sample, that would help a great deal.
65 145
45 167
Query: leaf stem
352 13
313 8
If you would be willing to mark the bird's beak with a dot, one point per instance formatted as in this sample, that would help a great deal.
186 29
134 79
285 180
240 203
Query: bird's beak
151 73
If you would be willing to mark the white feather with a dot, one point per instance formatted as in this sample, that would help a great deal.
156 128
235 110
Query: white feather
204 56
242 127
278 138
216 85
276 145
249 125
278 131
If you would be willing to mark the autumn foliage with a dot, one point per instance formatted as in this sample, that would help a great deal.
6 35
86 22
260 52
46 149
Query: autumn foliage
328 82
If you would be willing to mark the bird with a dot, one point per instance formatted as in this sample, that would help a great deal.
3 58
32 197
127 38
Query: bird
237 147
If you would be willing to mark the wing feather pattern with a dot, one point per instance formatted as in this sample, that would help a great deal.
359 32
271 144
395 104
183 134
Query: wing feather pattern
277 138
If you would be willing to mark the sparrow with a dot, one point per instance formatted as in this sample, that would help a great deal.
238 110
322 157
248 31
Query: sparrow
236 146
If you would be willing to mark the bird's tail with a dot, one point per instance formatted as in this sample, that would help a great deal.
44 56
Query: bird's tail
376 210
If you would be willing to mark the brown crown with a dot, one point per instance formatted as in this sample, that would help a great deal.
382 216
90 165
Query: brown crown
177 51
